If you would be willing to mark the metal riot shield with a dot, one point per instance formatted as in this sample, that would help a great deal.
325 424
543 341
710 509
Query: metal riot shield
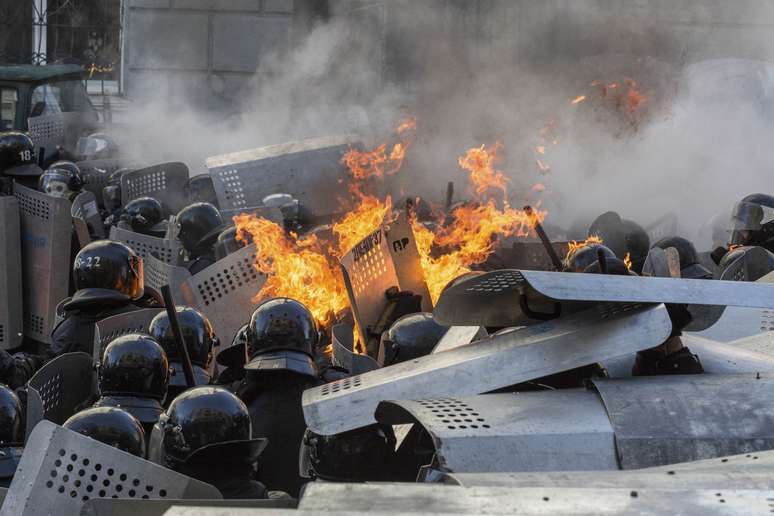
107 330
168 251
386 258
534 431
224 292
46 234
57 130
663 420
656 264
165 182
10 275
162 507
719 358
61 469
85 208
344 354
664 227
159 273
310 170
457 336
58 388
592 336
410 498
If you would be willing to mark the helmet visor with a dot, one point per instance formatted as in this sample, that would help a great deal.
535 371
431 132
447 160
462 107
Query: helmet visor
89 146
137 268
749 216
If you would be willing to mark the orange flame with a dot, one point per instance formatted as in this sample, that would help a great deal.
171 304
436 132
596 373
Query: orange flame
628 261
634 98
361 222
480 163
578 100
379 162
573 246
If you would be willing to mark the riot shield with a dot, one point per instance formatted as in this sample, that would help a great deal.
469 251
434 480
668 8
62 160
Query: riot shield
597 334
159 273
85 208
344 354
165 182
61 469
57 130
46 234
457 336
107 330
386 258
311 171
168 251
56 391
130 507
10 275
534 431
720 358
663 420
224 292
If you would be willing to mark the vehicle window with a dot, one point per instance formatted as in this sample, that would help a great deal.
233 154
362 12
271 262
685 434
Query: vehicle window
9 97
61 97
46 100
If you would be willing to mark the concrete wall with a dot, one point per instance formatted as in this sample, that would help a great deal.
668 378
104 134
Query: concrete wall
207 49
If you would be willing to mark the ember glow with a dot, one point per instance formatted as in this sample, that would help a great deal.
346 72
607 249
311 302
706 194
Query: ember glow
573 246
577 100
628 261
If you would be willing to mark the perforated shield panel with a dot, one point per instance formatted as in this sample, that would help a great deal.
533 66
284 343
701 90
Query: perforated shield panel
58 388
168 251
111 328
46 233
166 183
10 275
224 292
343 354
85 208
60 470
159 274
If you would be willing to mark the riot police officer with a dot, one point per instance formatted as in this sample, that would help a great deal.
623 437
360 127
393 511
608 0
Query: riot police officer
623 237
134 375
108 279
17 161
412 336
64 183
96 146
228 243
112 426
281 338
144 215
580 258
206 433
690 267
11 434
198 228
111 196
199 339
752 222
758 261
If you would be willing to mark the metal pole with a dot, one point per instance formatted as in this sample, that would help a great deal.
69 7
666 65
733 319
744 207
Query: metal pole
541 233
182 349
39 31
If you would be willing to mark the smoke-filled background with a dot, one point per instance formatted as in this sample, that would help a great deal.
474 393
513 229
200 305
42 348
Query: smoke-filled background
480 72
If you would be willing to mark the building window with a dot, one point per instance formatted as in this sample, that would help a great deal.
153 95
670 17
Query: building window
9 98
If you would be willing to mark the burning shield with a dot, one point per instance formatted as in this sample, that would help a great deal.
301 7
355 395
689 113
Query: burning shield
57 390
168 251
224 292
386 258
111 328
60 470
344 354
166 183
311 171
10 275
46 232
599 333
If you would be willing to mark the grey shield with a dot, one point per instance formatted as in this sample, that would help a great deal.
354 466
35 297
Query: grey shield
61 469
311 171
86 209
668 419
50 131
130 507
107 330
664 227
159 274
10 275
224 292
56 391
343 354
165 250
166 183
457 336
719 358
600 333
534 431
46 233
656 264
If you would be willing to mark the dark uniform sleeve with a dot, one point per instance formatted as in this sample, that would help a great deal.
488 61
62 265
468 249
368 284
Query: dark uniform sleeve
64 338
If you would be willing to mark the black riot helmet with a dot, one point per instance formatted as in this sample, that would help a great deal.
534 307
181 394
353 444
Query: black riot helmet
112 426
197 333
144 213
134 365
623 237
96 146
199 225
110 265
282 335
752 222
228 243
60 182
579 258
689 260
201 189
66 165
356 456
17 155
205 426
111 198
749 264
412 336
11 430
